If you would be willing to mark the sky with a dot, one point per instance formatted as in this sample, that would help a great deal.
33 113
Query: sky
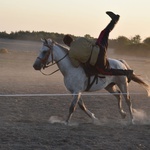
76 17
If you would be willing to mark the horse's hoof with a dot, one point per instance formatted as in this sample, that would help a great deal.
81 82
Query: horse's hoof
96 121
66 123
123 115
133 122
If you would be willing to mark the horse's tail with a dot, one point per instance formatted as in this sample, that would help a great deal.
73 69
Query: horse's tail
135 78
138 80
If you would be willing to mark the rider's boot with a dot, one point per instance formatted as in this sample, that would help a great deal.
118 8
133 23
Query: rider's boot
114 17
118 72
114 20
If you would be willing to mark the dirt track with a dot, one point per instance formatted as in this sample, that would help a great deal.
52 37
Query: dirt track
29 123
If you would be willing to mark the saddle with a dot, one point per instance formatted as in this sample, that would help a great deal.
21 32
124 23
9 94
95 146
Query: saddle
91 71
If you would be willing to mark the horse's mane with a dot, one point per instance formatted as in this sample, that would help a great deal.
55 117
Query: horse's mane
63 47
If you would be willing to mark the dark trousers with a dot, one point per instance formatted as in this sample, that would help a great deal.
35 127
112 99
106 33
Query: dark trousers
102 42
102 62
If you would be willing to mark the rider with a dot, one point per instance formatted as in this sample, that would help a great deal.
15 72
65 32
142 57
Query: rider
83 50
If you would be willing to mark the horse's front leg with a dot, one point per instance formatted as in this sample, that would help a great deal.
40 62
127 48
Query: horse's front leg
76 97
83 107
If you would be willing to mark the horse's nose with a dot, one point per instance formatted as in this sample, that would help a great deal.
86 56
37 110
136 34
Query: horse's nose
36 67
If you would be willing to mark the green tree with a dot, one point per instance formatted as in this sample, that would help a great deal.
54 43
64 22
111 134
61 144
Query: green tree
136 39
122 41
147 41
4 35
87 36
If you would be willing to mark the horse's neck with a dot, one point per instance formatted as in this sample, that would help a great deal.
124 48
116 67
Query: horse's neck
64 65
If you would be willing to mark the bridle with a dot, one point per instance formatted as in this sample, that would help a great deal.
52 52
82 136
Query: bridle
45 59
50 51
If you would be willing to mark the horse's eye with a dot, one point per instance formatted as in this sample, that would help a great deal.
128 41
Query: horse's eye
44 52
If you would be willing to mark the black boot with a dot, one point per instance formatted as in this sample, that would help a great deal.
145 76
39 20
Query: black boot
113 22
113 16
121 72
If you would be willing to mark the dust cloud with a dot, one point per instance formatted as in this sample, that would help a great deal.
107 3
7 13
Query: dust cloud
140 117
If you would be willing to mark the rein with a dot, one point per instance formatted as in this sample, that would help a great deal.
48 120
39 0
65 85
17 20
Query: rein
55 62
50 51
49 73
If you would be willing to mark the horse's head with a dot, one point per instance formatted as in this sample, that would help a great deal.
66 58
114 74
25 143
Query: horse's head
46 55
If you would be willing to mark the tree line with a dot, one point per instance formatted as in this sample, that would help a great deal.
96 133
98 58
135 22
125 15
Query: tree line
134 45
34 36
121 44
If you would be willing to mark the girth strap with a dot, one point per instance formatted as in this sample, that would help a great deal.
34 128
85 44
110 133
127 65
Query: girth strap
89 85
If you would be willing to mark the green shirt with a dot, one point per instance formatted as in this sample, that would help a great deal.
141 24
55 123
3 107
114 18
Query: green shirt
81 50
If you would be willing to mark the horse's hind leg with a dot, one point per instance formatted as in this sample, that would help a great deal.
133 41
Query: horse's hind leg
83 107
112 89
124 90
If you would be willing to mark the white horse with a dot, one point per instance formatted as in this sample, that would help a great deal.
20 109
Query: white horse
76 80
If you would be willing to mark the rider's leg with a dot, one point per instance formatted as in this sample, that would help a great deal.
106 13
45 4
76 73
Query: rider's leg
103 37
117 72
102 41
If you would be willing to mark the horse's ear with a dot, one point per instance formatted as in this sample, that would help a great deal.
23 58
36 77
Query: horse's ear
45 41
42 40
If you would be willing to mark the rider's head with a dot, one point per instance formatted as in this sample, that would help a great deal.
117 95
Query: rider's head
67 40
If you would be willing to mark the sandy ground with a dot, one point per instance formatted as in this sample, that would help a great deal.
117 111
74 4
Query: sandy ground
36 123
